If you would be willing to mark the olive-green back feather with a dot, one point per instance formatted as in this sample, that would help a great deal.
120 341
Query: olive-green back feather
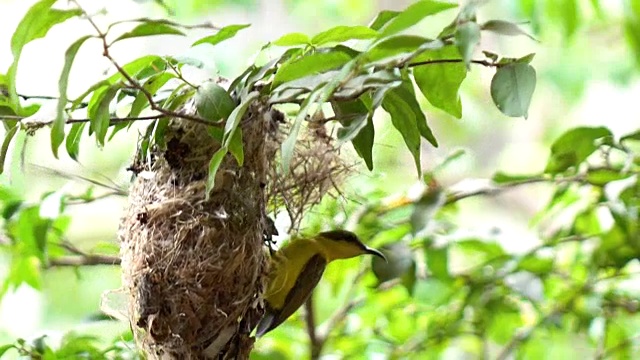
300 292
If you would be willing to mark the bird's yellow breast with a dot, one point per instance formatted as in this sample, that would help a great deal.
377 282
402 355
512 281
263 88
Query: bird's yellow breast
287 264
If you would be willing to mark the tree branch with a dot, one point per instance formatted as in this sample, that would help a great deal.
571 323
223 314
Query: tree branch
85 260
80 258
453 61
314 343
135 84
35 125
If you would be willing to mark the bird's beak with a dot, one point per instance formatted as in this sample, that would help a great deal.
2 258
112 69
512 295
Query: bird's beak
375 252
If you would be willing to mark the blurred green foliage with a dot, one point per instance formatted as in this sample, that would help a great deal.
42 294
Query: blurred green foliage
447 292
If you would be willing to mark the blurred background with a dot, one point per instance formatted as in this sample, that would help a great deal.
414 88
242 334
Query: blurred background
587 66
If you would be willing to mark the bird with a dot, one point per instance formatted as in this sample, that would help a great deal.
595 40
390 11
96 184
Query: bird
297 268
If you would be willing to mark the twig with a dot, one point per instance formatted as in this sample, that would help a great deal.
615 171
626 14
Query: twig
209 26
86 260
134 83
453 61
80 258
46 97
495 189
612 350
310 317
113 120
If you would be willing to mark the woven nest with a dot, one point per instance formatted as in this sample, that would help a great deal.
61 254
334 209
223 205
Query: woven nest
316 169
194 268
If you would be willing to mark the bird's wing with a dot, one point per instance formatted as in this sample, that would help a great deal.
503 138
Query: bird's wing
306 282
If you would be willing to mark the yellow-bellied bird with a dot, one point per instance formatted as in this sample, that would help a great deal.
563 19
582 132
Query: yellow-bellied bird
297 268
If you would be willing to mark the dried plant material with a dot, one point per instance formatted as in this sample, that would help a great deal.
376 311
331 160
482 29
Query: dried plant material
316 168
194 268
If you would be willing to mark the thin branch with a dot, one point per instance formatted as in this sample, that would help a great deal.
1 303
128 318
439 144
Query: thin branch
134 83
310 319
35 125
42 97
496 189
208 26
80 258
453 61
86 260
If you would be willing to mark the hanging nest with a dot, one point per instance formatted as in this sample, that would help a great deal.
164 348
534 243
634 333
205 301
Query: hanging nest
194 269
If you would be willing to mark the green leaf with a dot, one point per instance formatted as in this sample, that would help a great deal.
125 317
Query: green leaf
414 14
363 143
489 250
601 177
57 130
8 136
403 119
369 81
236 116
395 47
434 292
503 323
619 340
5 348
512 88
440 83
288 145
405 94
231 140
352 115
213 102
73 140
632 32
536 265
568 14
504 178
357 127
223 34
149 28
152 85
139 69
425 208
214 165
292 39
159 131
99 114
505 28
574 147
309 65
235 146
25 269
35 24
319 95
382 18
343 33
438 262
467 39
635 136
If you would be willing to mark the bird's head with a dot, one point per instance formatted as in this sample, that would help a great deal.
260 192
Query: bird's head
342 244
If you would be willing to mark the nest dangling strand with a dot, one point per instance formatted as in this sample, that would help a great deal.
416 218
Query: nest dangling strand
316 168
